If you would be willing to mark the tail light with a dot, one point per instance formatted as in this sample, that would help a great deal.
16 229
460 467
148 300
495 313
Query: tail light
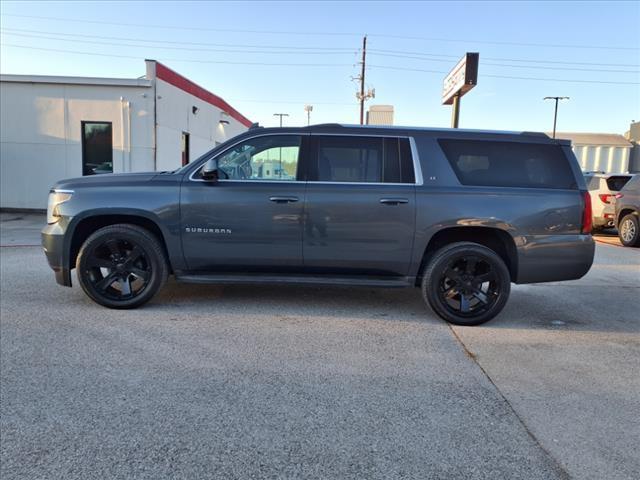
587 214
605 197
619 195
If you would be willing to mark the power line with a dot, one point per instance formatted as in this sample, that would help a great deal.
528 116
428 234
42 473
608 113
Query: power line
567 80
318 50
180 48
312 65
292 102
528 60
178 27
540 67
182 59
324 33
517 44
202 44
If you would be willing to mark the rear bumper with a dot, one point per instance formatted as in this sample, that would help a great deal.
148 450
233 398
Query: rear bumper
551 258
53 246
605 221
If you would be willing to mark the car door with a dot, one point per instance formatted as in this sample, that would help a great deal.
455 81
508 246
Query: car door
250 219
360 205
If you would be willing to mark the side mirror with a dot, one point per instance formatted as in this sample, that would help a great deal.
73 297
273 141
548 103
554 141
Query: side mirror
210 170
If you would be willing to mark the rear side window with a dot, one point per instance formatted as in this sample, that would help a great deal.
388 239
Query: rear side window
633 185
359 159
509 164
616 184
593 183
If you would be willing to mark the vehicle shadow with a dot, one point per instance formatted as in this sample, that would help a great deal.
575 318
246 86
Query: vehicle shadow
350 303
561 307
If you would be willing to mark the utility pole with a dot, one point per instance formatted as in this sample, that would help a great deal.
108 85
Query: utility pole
280 115
361 95
364 61
555 113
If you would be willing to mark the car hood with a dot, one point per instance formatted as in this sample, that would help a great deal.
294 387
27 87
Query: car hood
107 179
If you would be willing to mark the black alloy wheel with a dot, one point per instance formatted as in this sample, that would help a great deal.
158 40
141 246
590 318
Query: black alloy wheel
466 283
121 266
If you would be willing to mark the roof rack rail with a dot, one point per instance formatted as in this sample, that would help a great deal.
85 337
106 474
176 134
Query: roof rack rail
535 134
254 126
328 125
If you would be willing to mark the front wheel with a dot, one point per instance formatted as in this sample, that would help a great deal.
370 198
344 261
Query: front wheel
121 266
629 231
466 283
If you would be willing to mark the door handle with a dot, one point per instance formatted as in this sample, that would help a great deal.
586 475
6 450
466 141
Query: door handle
283 199
393 201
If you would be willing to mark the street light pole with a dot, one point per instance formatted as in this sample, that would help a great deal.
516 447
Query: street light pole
280 115
555 113
308 109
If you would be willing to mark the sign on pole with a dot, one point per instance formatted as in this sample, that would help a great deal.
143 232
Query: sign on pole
461 79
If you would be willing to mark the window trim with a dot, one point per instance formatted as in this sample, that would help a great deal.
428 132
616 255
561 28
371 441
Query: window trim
417 169
83 142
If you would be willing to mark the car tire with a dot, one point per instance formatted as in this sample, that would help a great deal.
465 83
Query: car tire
629 231
121 266
466 283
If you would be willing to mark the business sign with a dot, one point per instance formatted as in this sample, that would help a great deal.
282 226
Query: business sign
461 79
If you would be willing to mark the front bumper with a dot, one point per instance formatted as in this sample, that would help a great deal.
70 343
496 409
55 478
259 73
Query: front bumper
53 245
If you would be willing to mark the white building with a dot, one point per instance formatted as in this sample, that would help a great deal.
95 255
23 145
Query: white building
380 115
605 152
60 127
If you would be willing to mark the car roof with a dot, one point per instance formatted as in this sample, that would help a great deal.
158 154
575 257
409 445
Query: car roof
601 174
338 128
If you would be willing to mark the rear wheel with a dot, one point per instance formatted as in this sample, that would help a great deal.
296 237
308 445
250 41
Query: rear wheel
629 231
121 266
466 283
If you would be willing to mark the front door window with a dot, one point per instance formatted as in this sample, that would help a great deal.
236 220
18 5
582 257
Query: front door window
273 157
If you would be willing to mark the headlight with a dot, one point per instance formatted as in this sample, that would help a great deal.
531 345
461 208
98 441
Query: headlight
56 198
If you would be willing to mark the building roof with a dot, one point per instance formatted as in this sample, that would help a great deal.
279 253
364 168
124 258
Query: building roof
174 78
604 139
118 82
162 72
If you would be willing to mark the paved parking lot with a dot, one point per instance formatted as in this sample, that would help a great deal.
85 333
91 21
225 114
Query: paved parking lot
304 382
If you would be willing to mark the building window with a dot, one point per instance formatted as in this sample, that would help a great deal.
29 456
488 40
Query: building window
97 148
184 146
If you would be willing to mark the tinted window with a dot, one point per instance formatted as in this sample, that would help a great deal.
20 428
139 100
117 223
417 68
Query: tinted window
273 157
616 184
509 164
633 185
363 160
97 148
593 183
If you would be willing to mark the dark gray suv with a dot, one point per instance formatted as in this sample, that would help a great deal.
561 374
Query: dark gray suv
460 214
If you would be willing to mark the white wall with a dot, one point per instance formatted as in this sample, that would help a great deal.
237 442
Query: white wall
608 159
40 134
174 116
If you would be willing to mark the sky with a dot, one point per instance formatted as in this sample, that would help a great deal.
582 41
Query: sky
275 57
